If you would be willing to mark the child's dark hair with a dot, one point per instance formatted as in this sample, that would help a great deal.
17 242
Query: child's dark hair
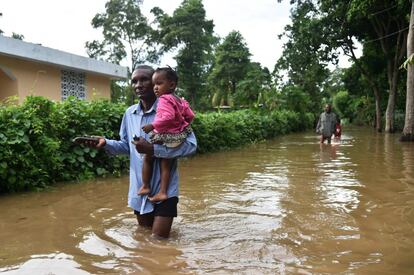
170 74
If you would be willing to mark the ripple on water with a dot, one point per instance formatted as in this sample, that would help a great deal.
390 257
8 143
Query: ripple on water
54 263
287 206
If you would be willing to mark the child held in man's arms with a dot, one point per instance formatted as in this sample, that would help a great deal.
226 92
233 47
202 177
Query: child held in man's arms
170 127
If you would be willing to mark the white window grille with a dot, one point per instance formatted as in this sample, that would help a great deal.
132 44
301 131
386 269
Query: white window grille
73 84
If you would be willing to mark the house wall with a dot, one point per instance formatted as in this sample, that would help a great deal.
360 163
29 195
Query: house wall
8 86
34 78
98 87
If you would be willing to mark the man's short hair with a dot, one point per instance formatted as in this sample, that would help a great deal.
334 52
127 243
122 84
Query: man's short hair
145 67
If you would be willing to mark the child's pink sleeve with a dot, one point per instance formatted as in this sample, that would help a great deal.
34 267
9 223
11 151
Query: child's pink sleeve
188 114
165 114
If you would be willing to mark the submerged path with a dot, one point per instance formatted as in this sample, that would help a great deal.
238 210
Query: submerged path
286 206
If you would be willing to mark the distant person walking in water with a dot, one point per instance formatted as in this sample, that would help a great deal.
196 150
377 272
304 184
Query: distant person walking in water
326 124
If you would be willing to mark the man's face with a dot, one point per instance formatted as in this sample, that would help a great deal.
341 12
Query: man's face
328 108
142 85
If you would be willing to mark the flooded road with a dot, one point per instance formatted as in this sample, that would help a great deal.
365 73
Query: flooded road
286 206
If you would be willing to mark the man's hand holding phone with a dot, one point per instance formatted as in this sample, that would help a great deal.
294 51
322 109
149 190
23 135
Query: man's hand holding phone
90 141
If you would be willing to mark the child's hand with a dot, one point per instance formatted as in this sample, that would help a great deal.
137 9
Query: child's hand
147 128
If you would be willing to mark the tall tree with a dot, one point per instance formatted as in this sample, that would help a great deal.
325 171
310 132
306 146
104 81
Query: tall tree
126 34
408 131
231 63
17 36
388 19
256 83
14 35
368 21
191 33
305 55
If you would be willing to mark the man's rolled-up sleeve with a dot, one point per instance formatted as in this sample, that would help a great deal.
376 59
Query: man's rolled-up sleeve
117 147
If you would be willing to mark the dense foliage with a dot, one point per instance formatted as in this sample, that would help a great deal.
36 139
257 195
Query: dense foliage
216 131
191 34
37 148
373 34
321 30
231 61
126 32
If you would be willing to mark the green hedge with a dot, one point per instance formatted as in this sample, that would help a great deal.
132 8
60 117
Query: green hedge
217 131
36 148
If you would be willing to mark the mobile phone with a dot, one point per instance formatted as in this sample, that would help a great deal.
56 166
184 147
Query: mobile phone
135 139
86 139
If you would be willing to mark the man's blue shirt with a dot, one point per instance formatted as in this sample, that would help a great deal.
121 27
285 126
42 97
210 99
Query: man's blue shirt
132 122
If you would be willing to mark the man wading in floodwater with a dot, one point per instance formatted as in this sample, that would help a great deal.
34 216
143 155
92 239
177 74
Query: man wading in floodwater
157 216
326 124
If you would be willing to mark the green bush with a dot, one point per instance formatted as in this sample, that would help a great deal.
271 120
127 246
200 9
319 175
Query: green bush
217 131
36 148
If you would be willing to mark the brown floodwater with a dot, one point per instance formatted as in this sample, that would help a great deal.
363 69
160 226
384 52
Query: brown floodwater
285 206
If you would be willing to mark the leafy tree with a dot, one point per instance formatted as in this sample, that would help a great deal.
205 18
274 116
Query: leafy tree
191 33
120 91
294 98
256 82
341 33
305 58
334 82
14 35
126 33
342 103
340 23
17 36
389 23
231 63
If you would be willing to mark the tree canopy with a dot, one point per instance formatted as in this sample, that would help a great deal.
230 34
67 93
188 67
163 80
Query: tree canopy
126 34
231 63
191 33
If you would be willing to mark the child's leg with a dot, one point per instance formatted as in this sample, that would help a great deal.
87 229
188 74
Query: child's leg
146 175
165 166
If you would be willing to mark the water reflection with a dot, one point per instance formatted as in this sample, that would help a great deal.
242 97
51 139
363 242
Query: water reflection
55 263
287 206
230 227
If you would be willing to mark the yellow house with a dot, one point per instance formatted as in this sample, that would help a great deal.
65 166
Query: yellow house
31 69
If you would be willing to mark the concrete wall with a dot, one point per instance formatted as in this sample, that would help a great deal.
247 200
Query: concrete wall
40 79
8 85
98 87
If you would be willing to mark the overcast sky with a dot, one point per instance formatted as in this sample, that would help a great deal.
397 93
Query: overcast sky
66 25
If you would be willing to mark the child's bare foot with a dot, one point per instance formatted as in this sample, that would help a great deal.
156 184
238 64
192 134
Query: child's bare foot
144 190
158 197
